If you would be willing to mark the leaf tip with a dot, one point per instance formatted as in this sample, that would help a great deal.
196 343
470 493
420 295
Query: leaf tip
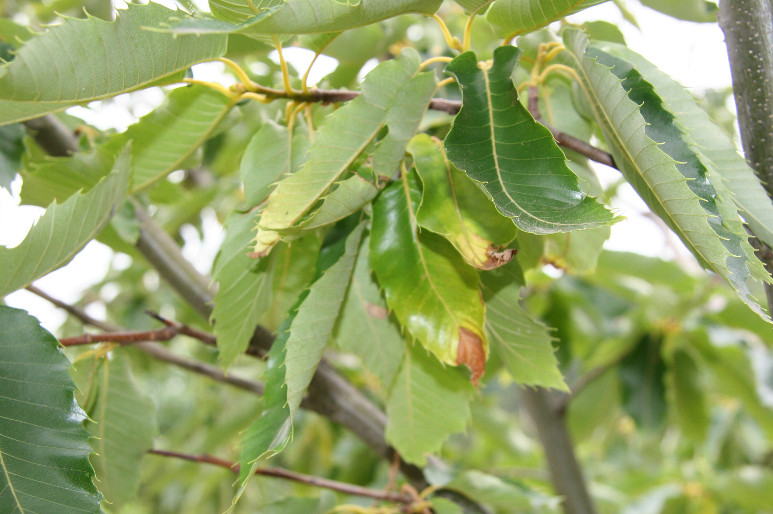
472 354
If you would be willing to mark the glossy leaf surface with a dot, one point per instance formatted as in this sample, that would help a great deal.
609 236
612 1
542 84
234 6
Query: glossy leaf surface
64 230
454 207
431 290
515 17
84 60
44 448
515 159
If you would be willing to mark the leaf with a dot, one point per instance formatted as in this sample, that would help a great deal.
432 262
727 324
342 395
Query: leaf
84 60
475 6
575 252
427 403
11 150
244 293
689 10
313 324
44 448
364 328
492 490
433 293
525 344
122 420
265 160
710 141
64 230
161 142
670 177
292 17
687 398
455 208
347 132
515 159
514 17
295 354
642 376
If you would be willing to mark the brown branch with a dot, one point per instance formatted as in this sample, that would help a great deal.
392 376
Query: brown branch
325 483
161 334
52 135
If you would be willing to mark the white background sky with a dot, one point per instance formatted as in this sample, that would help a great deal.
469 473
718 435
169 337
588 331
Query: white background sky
692 53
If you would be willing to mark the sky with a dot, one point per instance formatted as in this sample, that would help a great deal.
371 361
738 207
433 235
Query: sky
693 54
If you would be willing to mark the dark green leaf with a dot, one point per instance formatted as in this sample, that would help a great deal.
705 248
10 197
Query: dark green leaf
44 448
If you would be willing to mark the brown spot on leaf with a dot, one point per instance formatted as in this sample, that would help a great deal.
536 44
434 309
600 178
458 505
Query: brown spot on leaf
256 255
471 354
498 257
376 311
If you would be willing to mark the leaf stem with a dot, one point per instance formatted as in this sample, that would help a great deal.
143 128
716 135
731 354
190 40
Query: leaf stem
451 41
283 64
468 32
334 485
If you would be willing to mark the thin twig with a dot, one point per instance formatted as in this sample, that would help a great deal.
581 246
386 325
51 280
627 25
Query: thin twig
73 310
334 485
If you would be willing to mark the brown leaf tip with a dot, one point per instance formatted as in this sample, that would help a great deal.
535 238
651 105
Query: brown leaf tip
497 257
472 354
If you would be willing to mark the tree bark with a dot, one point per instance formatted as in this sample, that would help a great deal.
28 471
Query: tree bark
546 411
748 28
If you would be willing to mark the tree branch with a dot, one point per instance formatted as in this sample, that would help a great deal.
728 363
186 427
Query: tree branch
325 483
52 135
748 29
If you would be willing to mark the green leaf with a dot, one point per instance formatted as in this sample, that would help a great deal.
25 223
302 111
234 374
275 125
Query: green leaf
427 403
708 139
492 490
576 252
265 160
122 420
473 5
687 395
670 176
292 17
244 293
525 344
313 324
514 17
689 10
161 142
433 293
642 376
497 143
345 135
44 448
364 328
64 230
454 207
84 60
11 150
748 487
270 433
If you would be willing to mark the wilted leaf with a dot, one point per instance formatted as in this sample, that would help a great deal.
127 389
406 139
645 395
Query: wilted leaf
44 448
497 143
454 207
433 293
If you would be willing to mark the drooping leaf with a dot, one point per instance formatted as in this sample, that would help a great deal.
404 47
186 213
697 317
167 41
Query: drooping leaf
642 376
161 142
431 290
670 177
313 324
122 420
497 143
427 403
710 141
515 17
525 344
64 230
454 207
364 327
292 17
244 293
347 132
44 448
84 60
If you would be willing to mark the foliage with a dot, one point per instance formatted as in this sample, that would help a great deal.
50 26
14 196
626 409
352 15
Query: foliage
410 249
